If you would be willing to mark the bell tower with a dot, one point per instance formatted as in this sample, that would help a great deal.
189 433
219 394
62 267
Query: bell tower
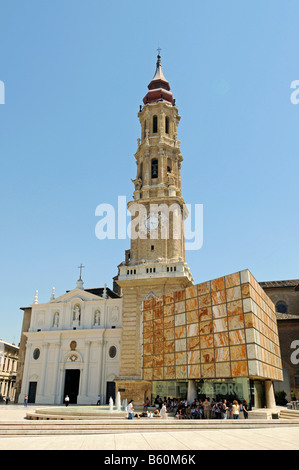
155 264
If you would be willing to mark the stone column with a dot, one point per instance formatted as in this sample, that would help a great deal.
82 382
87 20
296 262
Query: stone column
257 394
44 368
55 381
99 380
192 391
269 394
103 374
85 370
24 390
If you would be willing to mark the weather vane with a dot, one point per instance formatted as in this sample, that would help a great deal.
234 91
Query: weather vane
159 50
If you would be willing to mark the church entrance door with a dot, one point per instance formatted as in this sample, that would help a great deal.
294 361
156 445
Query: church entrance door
32 392
110 391
71 384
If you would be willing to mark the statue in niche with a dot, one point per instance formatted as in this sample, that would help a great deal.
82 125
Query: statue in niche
114 315
56 320
76 314
97 318
170 179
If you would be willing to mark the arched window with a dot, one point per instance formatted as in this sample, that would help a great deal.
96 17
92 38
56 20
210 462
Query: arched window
155 124
281 307
154 170
166 125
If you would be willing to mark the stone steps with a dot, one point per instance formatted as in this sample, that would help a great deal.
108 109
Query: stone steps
143 425
289 414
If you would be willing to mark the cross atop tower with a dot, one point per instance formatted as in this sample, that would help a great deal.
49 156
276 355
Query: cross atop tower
80 267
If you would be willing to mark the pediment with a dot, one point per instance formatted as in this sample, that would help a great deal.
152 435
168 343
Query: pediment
76 294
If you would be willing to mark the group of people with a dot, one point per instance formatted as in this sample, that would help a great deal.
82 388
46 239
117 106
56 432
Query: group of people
206 409
197 409
158 413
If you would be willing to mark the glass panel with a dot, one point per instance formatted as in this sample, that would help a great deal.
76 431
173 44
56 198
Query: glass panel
229 389
171 389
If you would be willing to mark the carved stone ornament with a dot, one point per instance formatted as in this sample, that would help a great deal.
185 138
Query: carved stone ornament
73 345
137 183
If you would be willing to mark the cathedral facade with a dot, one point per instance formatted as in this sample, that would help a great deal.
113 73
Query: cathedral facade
72 347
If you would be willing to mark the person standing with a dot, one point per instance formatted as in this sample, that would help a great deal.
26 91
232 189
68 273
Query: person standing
146 404
99 400
163 411
206 408
67 400
245 409
130 409
26 400
224 409
236 409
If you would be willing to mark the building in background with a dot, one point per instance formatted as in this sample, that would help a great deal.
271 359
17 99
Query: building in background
9 355
285 296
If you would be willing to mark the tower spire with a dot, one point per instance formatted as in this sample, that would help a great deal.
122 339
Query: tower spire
159 88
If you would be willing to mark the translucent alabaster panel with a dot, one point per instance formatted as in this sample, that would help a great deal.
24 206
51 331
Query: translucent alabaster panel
225 327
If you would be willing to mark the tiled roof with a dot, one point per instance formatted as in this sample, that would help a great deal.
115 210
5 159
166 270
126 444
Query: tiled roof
288 283
99 291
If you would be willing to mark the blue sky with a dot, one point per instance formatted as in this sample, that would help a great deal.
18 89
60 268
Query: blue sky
75 73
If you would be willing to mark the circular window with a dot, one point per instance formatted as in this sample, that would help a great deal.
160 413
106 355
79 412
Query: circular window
112 351
281 307
36 353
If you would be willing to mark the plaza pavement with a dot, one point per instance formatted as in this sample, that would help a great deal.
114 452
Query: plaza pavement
276 438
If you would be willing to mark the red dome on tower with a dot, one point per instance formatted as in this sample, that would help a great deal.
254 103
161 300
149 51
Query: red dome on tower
159 89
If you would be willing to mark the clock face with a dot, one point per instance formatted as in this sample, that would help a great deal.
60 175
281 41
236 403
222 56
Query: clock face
163 220
152 222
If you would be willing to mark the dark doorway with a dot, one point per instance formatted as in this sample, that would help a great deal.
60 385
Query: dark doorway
32 392
110 391
71 384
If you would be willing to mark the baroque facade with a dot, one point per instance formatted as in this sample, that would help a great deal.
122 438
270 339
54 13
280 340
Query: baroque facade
72 346
155 264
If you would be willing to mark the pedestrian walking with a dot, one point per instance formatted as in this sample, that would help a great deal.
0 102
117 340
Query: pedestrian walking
130 409
224 409
99 400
